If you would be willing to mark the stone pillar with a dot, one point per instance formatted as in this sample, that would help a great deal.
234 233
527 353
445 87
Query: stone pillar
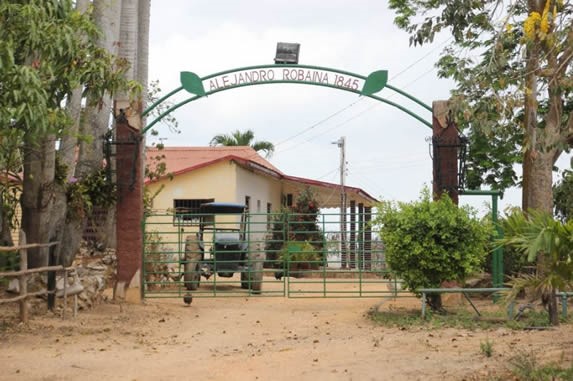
352 261
445 144
129 210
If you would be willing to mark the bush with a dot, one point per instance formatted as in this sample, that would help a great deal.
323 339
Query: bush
299 252
298 223
429 242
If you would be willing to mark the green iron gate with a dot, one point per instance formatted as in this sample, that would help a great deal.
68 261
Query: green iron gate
288 255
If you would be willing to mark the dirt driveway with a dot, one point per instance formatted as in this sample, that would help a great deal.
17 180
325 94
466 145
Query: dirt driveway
256 338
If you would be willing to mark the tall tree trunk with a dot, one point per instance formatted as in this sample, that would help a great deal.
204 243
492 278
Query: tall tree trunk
5 226
540 192
67 150
128 123
530 125
67 232
129 29
542 142
94 124
143 46
97 118
38 197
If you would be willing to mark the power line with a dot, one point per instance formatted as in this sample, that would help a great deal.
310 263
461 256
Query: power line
362 98
320 121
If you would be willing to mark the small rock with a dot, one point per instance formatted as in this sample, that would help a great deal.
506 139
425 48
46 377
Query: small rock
96 267
14 286
108 260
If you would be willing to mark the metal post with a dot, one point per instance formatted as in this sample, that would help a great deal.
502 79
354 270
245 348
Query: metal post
360 243
342 145
497 256
352 260
497 266
368 238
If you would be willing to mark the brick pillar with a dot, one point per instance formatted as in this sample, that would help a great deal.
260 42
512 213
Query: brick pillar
445 143
129 210
352 242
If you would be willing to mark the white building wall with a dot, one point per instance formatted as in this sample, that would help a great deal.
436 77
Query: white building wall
261 190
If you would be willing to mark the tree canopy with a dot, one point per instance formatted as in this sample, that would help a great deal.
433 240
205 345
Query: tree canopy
42 59
563 197
512 64
48 49
246 138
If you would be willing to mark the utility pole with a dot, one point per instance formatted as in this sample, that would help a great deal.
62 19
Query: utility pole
343 252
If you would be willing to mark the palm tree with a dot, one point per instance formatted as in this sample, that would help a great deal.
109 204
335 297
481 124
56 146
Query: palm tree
539 236
238 138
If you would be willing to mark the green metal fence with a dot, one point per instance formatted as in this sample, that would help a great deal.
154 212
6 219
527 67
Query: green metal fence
282 254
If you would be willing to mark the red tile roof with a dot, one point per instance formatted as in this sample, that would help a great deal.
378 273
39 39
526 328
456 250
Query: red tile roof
180 160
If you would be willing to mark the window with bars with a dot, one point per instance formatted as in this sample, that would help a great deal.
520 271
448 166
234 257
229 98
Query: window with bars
186 210
287 200
248 203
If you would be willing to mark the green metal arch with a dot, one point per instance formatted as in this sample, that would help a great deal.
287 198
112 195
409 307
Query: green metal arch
236 70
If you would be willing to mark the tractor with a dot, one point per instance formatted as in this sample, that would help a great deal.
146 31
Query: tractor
221 246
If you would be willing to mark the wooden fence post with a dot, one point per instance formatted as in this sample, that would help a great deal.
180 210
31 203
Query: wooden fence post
23 278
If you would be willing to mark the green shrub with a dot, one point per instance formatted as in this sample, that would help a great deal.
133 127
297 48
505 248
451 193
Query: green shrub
299 252
429 242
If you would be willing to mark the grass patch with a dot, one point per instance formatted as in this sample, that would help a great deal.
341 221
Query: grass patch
466 319
486 347
526 367
401 318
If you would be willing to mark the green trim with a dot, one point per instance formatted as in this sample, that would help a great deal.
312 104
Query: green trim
497 255
401 92
274 66
160 100
479 192
191 99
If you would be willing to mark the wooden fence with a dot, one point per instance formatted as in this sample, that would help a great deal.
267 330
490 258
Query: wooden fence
24 271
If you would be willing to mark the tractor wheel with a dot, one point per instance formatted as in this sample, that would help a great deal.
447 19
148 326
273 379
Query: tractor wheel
256 274
245 280
192 276
256 283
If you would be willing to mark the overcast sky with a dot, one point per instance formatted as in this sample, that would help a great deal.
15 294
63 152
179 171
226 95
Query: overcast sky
387 150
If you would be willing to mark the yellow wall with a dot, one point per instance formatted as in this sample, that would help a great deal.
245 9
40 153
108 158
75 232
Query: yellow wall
215 181
224 182
261 189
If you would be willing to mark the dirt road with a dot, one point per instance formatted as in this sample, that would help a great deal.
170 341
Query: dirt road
256 338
